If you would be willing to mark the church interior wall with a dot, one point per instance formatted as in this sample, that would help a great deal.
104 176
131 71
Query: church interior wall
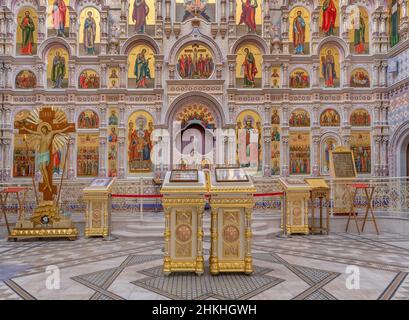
364 80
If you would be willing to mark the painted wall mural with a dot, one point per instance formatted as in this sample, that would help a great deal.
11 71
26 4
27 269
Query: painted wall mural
140 128
58 18
249 66
26 79
88 120
196 113
361 146
141 17
330 118
299 79
275 142
360 78
87 155
299 32
327 146
360 118
300 118
89 79
300 153
23 151
27 31
330 70
249 16
89 31
113 143
359 30
329 18
248 131
57 68
141 72
189 9
195 61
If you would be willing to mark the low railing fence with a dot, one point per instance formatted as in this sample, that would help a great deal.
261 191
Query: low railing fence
391 196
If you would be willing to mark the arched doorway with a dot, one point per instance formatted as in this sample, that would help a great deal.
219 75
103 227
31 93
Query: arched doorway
193 119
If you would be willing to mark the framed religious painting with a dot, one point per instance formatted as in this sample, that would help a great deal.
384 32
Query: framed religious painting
184 176
231 175
342 163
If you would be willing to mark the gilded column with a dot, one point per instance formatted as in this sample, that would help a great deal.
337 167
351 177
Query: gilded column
199 258
248 260
166 249
214 261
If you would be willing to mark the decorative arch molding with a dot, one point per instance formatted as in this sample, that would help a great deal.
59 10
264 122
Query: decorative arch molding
399 139
337 42
306 68
252 38
90 108
309 5
195 36
196 98
137 39
46 45
79 5
331 134
249 110
16 5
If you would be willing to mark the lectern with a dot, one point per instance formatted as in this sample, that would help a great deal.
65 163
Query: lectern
97 197
232 205
183 203
297 198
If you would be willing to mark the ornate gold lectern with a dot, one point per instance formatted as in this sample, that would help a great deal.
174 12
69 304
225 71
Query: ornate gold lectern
97 197
183 203
297 197
232 206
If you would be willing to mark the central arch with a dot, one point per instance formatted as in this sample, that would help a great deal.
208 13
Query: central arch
192 119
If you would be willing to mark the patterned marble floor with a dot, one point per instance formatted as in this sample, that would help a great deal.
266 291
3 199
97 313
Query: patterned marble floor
300 267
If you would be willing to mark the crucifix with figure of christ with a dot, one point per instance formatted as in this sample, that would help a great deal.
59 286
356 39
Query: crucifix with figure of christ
46 129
